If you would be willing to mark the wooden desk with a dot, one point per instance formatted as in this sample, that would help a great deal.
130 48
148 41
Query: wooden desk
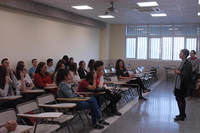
60 105
112 82
109 88
10 97
51 115
51 87
22 129
32 91
74 99
88 93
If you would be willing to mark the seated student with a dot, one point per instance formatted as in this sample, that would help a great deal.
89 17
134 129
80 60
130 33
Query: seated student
8 127
89 84
6 88
25 82
33 69
65 91
122 73
111 96
20 63
59 66
81 70
50 67
74 72
71 60
5 63
42 79
91 65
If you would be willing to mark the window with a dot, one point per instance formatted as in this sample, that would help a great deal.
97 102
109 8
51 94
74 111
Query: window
180 30
160 42
191 44
154 30
142 30
166 30
142 48
154 48
193 30
130 47
178 45
167 48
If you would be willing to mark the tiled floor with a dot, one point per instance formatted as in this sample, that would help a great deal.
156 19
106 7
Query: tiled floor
152 116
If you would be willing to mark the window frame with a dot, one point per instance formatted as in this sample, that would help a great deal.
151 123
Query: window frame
161 47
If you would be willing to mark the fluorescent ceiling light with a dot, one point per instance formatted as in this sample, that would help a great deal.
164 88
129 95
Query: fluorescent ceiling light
146 4
159 15
199 1
106 16
83 7
198 14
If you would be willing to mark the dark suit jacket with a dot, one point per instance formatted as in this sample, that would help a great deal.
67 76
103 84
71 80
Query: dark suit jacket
185 77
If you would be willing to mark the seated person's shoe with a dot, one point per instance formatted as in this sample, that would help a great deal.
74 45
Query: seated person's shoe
117 113
179 118
146 90
142 98
98 126
103 122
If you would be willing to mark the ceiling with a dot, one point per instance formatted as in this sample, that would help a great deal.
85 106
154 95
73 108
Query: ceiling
178 11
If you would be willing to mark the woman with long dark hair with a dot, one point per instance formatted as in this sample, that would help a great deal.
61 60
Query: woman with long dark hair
91 65
59 65
24 80
42 79
65 91
81 70
73 70
122 73
182 82
6 88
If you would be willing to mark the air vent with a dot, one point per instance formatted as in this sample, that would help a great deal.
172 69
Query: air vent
146 9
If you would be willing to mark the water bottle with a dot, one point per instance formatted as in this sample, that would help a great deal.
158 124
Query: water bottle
18 90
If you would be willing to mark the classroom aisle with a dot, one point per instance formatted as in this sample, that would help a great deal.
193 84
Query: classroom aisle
156 115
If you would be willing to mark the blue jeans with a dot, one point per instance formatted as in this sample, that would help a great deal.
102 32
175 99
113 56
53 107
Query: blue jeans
90 104
193 82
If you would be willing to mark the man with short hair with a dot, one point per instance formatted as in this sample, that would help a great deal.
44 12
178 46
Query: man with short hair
50 67
5 63
114 98
33 68
195 71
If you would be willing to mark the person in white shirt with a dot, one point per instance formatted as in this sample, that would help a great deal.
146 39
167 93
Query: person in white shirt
90 67
73 70
24 82
50 67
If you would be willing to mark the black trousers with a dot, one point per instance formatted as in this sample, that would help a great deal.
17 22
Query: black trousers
114 99
139 89
181 105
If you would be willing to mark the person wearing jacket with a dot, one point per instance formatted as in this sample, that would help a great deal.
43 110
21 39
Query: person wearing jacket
182 82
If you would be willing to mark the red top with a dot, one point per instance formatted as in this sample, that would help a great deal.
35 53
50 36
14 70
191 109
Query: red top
42 81
83 86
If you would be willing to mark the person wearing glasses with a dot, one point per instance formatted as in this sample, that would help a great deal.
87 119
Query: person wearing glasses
195 71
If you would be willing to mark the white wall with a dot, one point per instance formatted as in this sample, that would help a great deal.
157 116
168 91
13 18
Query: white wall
24 36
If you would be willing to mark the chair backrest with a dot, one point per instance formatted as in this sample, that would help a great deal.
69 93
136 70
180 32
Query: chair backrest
27 107
114 78
47 98
113 70
7 115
